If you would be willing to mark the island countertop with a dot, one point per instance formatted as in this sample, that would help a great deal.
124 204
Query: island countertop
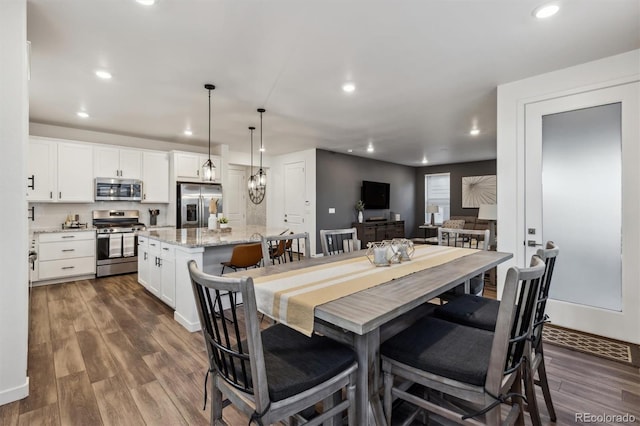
204 237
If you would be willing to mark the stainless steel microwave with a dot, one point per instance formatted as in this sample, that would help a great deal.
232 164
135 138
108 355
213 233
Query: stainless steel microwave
108 189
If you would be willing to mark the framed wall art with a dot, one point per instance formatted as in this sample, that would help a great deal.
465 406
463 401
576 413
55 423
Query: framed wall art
478 190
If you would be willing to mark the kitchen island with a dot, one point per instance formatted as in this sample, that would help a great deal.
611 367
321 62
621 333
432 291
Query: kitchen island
163 255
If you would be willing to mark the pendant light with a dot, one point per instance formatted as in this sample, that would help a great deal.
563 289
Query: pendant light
262 175
251 183
208 168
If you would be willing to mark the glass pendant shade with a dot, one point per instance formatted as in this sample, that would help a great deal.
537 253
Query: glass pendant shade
256 191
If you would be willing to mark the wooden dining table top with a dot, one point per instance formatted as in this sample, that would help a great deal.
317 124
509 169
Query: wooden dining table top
369 309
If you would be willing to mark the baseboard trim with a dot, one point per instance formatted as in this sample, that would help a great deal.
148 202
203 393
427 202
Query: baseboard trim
191 326
15 394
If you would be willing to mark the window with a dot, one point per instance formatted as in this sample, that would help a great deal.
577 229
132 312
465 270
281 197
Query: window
436 192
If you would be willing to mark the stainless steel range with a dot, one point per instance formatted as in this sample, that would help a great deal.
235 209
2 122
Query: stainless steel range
117 241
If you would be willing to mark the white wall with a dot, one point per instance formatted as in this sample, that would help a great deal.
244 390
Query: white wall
14 112
275 192
512 99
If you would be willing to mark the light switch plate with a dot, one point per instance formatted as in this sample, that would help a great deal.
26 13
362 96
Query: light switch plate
332 210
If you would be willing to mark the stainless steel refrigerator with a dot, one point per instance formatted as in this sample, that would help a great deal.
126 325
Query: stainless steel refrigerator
193 203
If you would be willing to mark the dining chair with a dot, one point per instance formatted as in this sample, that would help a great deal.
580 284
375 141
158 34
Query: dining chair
285 248
244 256
465 238
474 366
335 241
481 312
273 374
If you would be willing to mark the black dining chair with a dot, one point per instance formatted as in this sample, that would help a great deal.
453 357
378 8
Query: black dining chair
478 369
273 374
481 312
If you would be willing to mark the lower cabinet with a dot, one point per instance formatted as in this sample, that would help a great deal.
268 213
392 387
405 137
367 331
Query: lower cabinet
63 255
143 261
161 278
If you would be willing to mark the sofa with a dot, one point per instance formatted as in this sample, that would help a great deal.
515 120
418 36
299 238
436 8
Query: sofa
472 222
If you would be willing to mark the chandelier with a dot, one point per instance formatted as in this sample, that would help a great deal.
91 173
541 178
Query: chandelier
257 183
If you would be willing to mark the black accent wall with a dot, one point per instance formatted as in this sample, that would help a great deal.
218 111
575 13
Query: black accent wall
338 181
457 171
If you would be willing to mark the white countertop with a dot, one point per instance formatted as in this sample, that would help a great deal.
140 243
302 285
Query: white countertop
203 237
59 229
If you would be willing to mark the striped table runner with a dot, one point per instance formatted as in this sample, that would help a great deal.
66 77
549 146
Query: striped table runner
291 297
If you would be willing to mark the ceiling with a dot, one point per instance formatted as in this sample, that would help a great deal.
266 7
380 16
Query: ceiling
425 71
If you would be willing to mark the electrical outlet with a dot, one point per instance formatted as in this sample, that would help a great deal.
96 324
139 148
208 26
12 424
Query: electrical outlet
332 210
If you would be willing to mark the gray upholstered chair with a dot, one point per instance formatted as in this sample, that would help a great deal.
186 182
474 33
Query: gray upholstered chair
482 313
466 238
269 375
480 369
285 248
335 241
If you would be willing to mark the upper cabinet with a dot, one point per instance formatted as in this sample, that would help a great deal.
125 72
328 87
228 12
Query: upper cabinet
75 173
62 172
117 163
188 166
155 177
41 173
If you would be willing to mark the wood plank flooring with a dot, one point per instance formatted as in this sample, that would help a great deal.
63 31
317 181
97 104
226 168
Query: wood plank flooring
105 351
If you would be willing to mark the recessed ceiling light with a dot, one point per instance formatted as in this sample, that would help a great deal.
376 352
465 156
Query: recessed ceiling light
188 132
424 160
146 2
349 150
474 132
82 114
349 87
105 75
370 148
546 11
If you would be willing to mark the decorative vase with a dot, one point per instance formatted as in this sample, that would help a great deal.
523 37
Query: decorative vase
360 218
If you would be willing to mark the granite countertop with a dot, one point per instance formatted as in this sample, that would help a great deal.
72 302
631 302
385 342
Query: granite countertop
50 229
203 237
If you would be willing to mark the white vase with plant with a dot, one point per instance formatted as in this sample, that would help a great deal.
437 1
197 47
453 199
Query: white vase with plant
359 208
224 222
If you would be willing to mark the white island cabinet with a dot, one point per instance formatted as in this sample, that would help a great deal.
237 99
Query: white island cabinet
169 252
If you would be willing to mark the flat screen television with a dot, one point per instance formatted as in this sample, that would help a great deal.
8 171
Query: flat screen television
375 195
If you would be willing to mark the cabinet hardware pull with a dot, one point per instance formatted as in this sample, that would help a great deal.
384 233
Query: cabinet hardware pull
60 195
153 245
69 250
144 197
51 195
68 236
32 211
33 182
145 255
164 248
68 267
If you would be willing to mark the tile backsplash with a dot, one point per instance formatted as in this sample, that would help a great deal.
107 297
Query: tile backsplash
51 215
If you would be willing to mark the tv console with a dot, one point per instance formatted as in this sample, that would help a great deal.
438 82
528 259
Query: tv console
376 219
371 231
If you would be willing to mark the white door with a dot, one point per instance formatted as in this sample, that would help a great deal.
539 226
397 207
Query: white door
294 195
581 191
234 196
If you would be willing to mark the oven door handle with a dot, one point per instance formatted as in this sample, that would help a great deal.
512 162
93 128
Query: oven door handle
100 236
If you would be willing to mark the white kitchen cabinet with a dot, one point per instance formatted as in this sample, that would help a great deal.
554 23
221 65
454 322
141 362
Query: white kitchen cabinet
155 177
75 173
143 261
117 163
162 275
41 171
62 256
188 166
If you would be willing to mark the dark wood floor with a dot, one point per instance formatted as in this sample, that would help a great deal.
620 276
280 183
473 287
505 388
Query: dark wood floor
105 351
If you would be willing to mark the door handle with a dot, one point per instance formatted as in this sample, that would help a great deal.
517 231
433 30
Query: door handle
532 243
32 185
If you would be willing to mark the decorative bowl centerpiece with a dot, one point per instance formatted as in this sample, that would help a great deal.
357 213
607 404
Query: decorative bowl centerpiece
388 252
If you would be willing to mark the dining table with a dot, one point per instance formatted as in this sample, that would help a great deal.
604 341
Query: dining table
383 301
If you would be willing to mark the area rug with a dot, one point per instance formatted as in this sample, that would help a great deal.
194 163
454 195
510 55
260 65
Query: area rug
602 347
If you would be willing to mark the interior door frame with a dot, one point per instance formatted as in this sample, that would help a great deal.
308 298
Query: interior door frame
623 325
